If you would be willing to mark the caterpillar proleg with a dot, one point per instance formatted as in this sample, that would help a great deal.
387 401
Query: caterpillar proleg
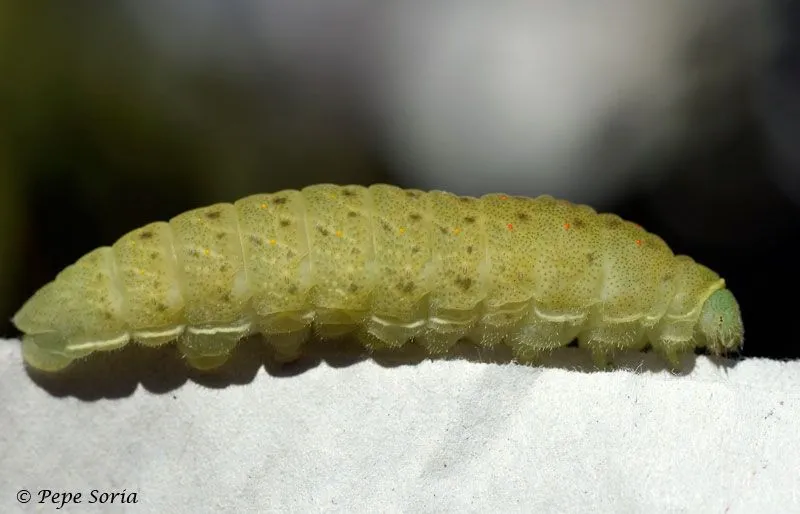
389 265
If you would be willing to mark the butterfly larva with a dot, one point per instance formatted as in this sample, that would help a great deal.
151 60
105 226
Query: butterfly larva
389 264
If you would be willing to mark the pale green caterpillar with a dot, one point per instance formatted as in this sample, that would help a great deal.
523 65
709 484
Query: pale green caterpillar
390 265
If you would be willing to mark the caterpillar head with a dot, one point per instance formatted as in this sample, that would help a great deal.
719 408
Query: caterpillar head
721 323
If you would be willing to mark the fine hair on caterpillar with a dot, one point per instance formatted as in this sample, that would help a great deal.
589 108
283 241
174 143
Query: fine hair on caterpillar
385 265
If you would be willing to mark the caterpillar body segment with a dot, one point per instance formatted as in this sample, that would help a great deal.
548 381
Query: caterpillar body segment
390 265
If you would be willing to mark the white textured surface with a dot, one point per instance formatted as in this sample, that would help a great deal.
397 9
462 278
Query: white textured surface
434 436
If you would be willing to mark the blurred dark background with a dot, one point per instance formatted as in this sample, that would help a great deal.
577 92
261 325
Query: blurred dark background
682 116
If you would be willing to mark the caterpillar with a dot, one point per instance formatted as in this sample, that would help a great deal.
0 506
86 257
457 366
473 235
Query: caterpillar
389 265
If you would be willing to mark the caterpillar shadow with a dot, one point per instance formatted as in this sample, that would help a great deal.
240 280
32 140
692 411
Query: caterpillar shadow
119 373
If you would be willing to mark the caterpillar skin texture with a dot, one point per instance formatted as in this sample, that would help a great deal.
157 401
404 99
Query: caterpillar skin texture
390 265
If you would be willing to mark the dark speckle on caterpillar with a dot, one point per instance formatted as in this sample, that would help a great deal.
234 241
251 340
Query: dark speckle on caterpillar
390 265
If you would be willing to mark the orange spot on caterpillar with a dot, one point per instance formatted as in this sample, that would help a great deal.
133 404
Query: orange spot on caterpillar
638 242
567 226
510 226
263 206
402 230
272 241
338 233
503 197
456 230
